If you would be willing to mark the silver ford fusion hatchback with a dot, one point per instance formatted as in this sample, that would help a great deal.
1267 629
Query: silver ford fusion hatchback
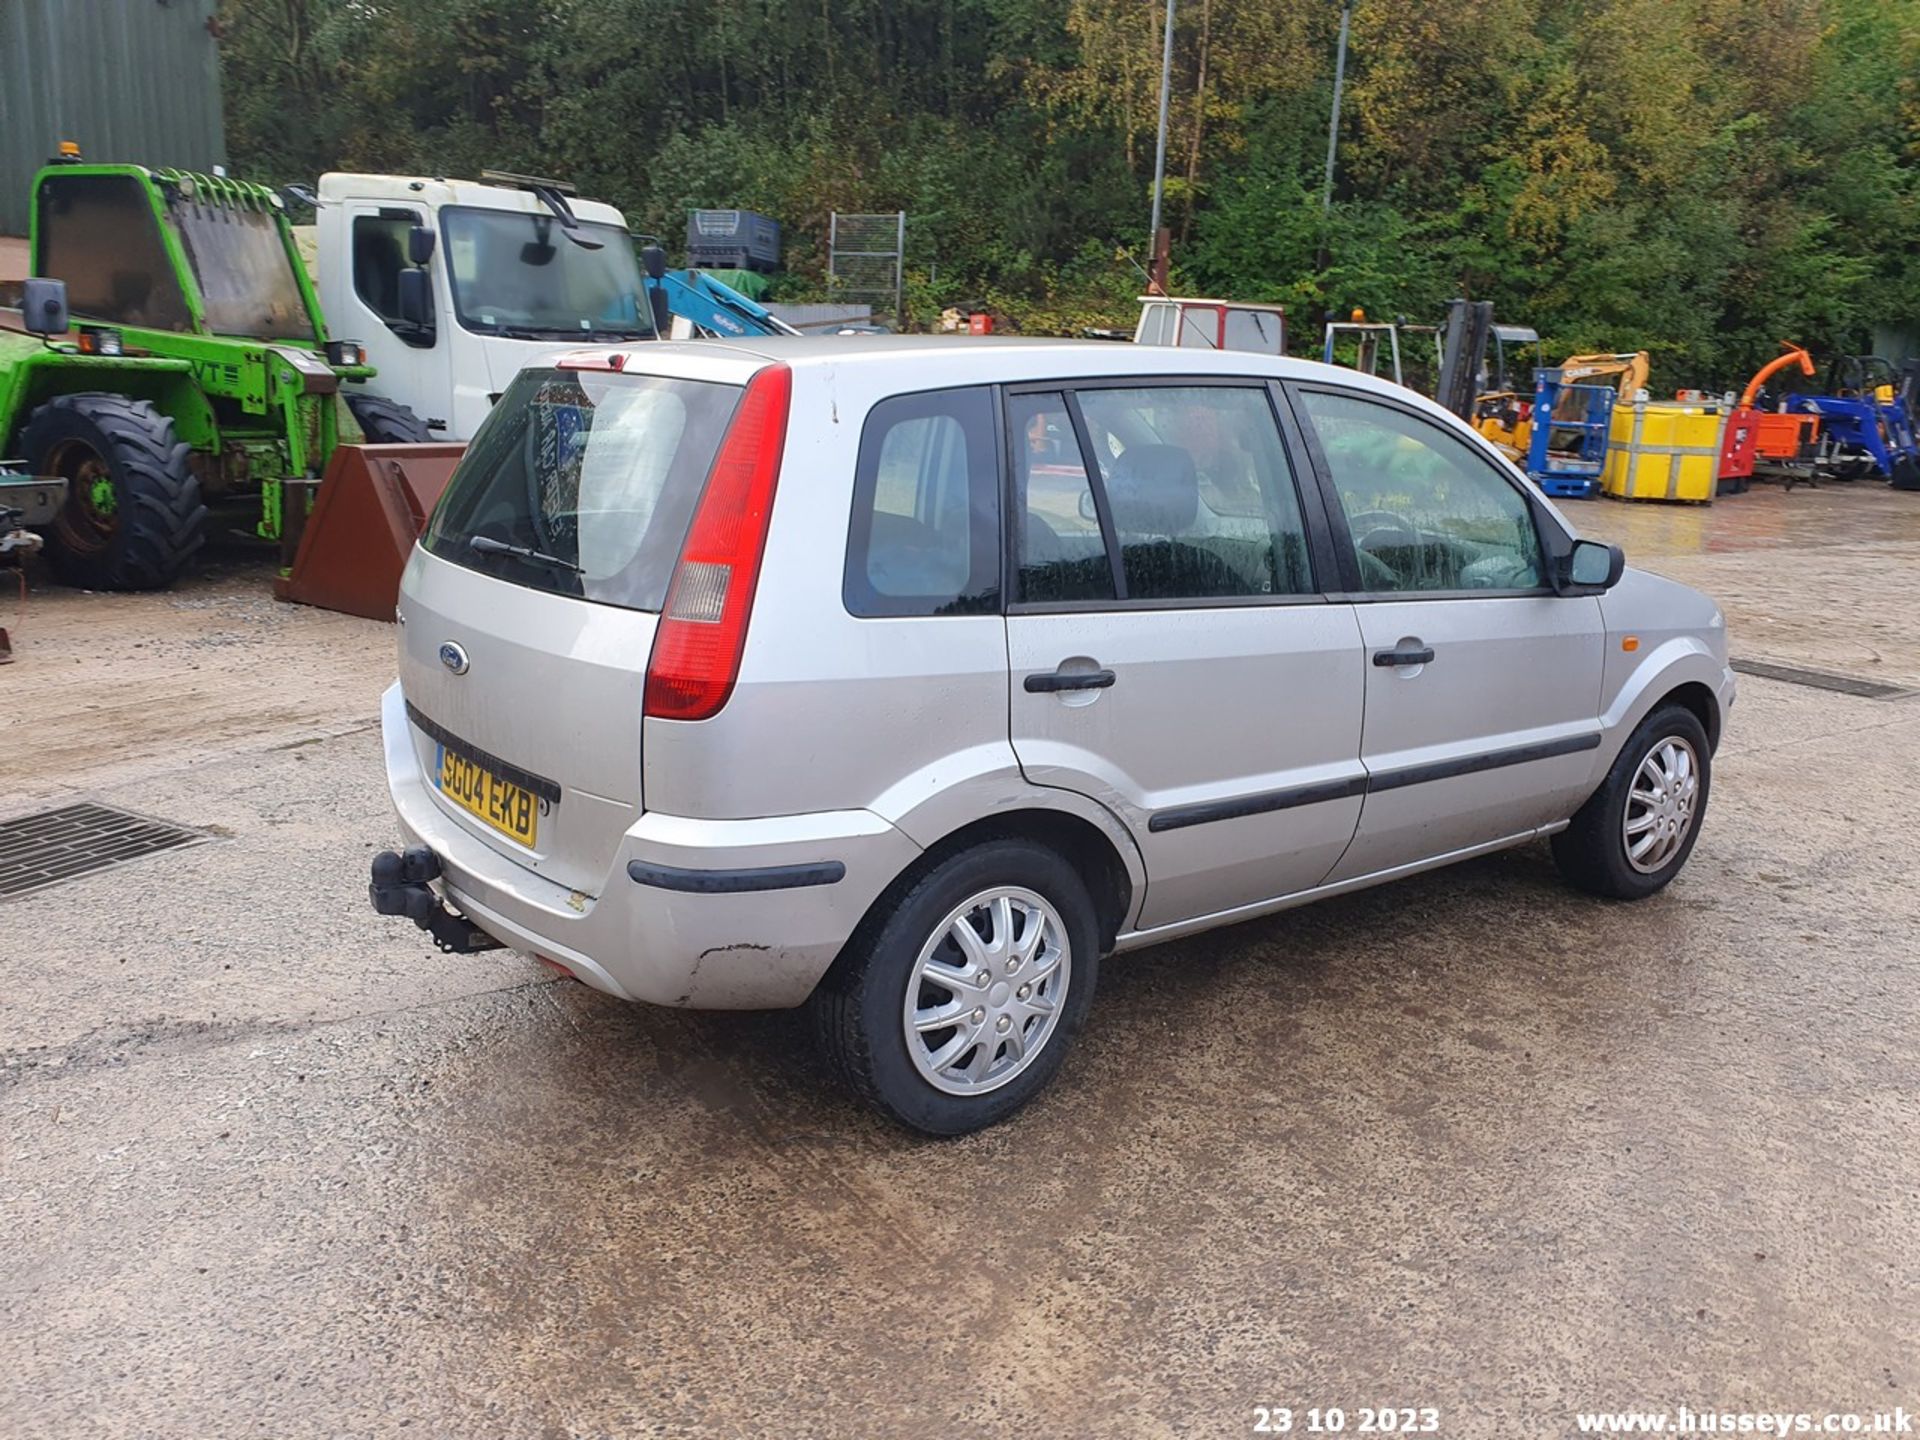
910 678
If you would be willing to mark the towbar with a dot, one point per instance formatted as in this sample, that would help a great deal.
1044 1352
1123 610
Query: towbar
401 884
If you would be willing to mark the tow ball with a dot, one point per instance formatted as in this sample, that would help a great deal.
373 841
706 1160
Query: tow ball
401 885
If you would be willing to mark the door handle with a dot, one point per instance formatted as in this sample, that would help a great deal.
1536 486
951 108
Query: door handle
1423 656
1051 680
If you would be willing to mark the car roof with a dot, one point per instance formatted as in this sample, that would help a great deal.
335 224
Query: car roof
962 360
953 361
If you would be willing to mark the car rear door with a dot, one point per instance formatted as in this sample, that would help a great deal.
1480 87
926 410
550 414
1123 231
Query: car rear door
1482 684
1172 653
528 611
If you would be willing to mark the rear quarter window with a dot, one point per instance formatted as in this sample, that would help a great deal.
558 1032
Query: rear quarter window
925 532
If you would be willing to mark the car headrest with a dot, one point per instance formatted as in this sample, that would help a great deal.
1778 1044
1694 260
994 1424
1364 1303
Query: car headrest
1153 490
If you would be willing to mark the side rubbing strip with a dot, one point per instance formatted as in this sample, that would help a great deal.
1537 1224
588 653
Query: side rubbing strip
1490 760
735 882
1182 816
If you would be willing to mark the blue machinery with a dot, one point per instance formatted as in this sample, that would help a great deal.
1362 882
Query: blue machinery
1571 422
703 302
1860 431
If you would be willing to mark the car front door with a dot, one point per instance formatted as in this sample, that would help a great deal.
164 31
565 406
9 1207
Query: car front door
1172 652
1482 684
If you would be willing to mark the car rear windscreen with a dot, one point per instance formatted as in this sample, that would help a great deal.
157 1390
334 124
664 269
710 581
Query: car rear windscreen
583 482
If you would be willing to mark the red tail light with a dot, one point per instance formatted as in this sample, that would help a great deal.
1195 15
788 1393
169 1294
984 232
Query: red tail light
703 627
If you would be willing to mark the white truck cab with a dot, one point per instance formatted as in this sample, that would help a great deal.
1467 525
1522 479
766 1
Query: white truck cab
455 285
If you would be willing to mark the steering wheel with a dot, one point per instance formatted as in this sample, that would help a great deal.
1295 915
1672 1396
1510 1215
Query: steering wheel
1370 525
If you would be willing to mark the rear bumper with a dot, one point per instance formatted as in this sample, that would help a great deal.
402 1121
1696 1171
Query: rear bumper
706 914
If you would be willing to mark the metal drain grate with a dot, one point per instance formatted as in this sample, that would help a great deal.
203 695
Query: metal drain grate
1821 680
41 850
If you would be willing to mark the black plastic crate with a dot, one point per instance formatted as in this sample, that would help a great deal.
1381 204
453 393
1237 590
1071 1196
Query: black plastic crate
732 240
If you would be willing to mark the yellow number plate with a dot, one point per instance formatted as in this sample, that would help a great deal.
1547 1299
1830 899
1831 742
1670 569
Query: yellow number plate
514 812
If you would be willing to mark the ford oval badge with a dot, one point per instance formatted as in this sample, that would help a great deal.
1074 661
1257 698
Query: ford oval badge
453 657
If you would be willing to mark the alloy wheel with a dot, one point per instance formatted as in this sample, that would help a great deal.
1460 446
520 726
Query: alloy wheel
1661 804
986 991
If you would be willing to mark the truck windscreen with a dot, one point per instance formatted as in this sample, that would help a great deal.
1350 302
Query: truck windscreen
521 275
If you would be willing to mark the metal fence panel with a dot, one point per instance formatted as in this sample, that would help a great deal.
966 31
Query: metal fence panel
130 80
865 255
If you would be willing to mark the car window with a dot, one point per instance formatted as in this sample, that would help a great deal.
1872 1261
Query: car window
1199 327
1203 499
1425 510
925 537
592 476
1255 330
1060 550
1155 321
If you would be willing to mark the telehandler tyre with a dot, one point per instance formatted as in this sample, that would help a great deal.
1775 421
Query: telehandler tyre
388 422
133 517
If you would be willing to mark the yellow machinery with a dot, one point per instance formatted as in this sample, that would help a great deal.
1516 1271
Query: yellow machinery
1505 418
1631 370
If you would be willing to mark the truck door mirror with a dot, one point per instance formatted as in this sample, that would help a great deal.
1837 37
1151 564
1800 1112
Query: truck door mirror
415 297
43 307
420 244
653 260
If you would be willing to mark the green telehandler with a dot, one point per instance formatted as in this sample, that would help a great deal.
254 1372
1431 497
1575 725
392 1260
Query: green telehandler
199 369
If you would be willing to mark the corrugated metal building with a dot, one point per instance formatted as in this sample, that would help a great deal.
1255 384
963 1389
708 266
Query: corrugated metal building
135 80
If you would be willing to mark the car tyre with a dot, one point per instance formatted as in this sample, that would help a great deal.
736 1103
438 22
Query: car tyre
911 939
1635 833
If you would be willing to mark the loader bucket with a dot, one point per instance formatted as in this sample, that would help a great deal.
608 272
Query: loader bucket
370 507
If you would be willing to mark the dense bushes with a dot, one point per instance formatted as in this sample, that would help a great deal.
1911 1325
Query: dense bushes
1688 177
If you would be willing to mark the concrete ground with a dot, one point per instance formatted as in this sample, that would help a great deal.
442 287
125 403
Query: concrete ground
271 1166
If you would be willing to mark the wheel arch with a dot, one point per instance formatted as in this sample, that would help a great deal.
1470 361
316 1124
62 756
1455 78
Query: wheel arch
1696 696
1080 842
1682 669
170 391
1114 887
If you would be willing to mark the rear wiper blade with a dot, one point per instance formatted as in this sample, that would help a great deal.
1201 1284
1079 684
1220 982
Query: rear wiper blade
487 545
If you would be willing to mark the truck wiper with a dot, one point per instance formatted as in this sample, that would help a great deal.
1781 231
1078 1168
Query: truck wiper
525 332
487 545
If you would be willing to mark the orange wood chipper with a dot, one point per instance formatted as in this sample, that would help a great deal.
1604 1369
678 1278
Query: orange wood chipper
1768 438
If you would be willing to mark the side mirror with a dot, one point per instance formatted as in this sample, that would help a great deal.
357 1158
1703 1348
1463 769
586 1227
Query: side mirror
653 260
420 244
1590 568
43 307
415 297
